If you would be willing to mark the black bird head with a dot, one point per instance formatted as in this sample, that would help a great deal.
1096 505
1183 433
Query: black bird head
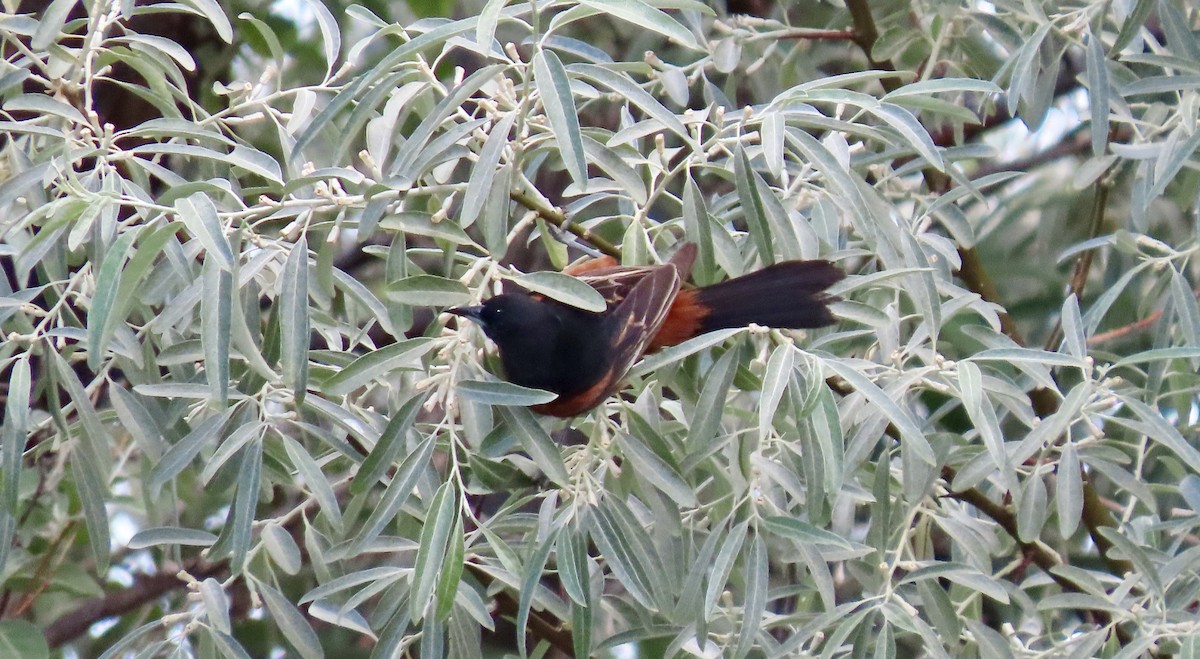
504 316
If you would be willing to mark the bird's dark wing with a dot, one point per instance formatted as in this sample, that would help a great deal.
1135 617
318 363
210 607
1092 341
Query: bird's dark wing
632 324
637 319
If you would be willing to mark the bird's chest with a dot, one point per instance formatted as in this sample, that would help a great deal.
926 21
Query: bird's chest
568 357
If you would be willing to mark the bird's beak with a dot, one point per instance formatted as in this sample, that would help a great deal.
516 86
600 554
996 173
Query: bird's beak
470 313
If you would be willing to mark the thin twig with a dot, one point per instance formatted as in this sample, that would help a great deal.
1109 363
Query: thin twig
559 219
1125 330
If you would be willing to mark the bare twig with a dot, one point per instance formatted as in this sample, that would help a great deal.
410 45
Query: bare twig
559 219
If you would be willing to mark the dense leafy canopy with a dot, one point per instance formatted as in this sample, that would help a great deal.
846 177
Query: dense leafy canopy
235 421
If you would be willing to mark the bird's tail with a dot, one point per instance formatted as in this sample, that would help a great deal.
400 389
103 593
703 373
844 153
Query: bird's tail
788 295
785 295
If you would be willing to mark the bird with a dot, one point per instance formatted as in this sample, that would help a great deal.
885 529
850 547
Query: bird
583 356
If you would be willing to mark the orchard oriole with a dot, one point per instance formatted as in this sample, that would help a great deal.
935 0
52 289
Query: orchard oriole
583 356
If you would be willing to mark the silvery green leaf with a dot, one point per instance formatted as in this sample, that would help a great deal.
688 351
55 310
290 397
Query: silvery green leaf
495 392
1072 325
331 34
296 630
749 194
655 470
428 291
397 493
642 15
51 23
1068 496
564 288
559 102
721 568
1099 93
216 604
294 324
629 551
171 535
215 15
775 382
636 95
537 443
435 534
388 447
108 282
479 187
912 438
757 581
377 364
199 215
705 421
329 612
1032 509
216 310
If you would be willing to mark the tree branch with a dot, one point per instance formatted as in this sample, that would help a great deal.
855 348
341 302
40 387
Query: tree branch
144 590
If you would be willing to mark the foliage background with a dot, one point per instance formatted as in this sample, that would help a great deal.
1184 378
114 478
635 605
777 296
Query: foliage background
234 425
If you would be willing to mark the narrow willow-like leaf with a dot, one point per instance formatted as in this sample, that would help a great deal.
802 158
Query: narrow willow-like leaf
496 392
181 453
757 582
710 407
428 291
216 604
1099 93
643 15
698 228
632 93
571 556
564 288
775 381
377 364
1146 568
94 441
722 567
387 447
12 446
531 578
51 24
171 535
803 532
660 474
199 215
108 282
910 432
239 524
911 130
294 327
296 630
537 442
1032 509
451 571
1072 326
215 334
628 551
489 17
559 102
315 480
440 520
1164 433
1068 496
752 206
397 493
479 187
331 34
93 492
